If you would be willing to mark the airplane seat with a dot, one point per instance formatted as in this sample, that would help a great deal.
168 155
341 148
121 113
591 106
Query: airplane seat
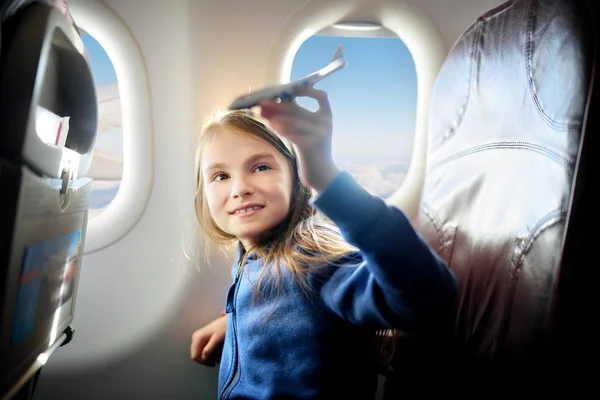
506 202
48 122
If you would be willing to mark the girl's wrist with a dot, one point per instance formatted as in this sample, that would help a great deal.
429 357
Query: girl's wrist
323 176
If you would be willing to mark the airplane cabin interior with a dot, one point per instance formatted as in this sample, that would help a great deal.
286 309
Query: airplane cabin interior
104 275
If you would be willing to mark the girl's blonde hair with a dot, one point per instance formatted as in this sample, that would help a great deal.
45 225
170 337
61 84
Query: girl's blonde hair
304 240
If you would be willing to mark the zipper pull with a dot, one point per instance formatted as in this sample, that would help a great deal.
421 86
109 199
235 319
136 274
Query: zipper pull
230 293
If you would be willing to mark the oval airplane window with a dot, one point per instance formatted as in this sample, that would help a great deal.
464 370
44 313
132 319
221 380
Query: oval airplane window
122 167
403 20
374 101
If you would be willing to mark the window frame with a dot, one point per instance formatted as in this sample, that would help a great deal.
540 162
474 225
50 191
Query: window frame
129 204
408 22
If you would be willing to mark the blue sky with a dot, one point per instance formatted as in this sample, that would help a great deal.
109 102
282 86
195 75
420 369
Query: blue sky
373 98
104 71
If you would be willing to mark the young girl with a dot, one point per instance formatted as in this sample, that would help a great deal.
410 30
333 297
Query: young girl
305 304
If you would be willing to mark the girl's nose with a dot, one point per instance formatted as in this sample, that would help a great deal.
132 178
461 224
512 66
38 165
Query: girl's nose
241 187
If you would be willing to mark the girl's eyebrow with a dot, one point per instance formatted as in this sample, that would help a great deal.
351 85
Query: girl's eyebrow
260 156
252 159
215 166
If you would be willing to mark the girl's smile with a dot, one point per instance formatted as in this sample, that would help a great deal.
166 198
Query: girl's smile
247 210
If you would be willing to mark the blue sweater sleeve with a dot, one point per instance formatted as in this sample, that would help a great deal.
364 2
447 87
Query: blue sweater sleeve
397 280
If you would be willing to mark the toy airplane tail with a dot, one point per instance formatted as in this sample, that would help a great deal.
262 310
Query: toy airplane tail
339 53
288 91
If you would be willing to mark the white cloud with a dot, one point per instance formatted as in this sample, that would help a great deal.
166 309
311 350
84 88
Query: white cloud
105 166
397 144
379 174
109 107
111 142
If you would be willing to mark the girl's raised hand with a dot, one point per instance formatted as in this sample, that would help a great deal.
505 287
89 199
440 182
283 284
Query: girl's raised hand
311 133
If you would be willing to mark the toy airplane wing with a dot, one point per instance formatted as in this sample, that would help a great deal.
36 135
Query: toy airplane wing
287 91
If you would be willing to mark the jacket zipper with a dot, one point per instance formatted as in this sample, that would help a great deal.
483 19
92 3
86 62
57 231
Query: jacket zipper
233 323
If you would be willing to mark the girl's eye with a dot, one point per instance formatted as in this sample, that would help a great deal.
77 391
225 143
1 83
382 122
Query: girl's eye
262 167
219 177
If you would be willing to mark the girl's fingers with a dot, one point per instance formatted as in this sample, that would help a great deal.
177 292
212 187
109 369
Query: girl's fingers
270 107
323 100
319 95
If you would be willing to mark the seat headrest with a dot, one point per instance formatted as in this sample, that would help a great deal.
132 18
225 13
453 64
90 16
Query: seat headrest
505 124
522 66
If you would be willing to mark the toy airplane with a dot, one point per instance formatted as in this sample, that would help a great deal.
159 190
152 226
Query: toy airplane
286 92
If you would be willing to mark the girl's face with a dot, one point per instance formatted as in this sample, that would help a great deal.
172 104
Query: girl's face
247 184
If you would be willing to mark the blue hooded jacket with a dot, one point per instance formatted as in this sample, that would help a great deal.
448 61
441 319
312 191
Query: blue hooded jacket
287 344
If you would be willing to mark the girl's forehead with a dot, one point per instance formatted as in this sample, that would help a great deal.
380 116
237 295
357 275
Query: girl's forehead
229 146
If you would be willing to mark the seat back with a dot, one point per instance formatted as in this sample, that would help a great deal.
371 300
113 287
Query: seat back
507 195
48 114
